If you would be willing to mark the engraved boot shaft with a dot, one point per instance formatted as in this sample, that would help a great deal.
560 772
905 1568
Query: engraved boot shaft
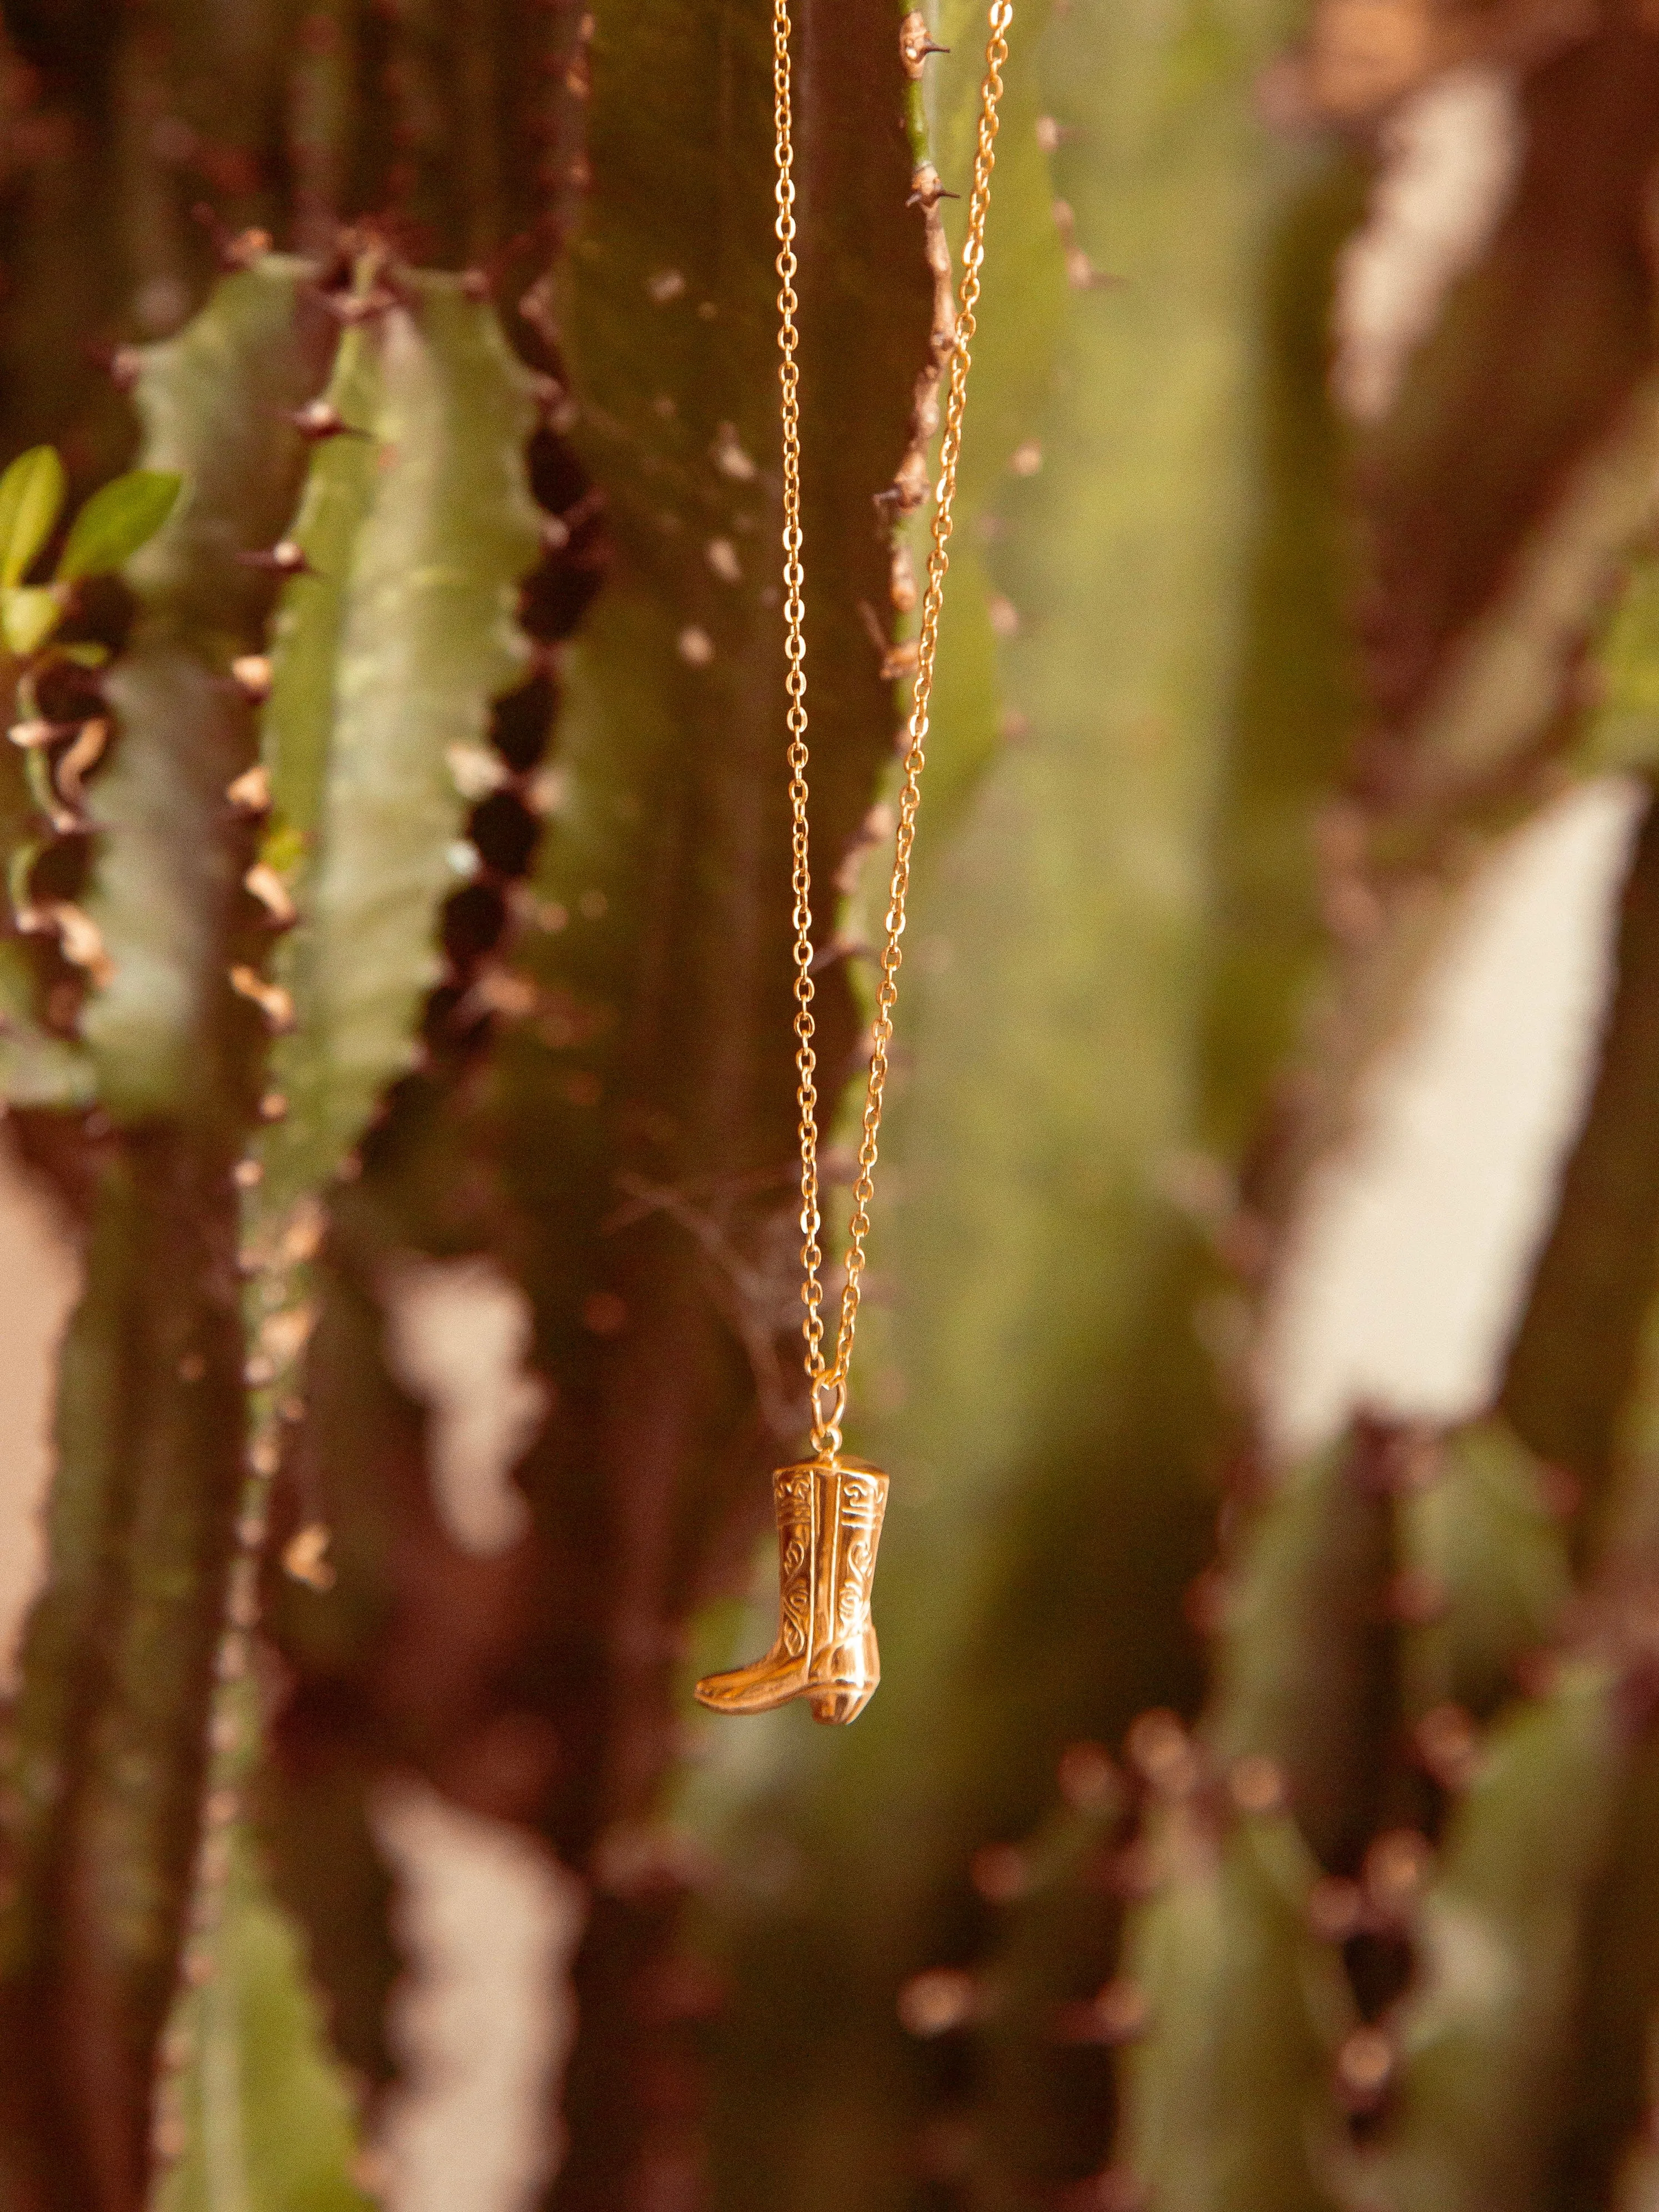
794 1503
782 1674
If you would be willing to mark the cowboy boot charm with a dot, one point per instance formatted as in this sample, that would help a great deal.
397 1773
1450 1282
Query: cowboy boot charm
829 1520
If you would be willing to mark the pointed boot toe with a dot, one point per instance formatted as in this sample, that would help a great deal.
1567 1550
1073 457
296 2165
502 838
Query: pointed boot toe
756 1689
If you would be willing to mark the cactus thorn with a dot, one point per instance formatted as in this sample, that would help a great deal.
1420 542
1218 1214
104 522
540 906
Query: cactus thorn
287 558
235 249
1133 1872
899 662
729 457
901 576
1257 1783
1364 2066
122 364
1000 1872
304 1556
1081 273
1396 1868
250 792
263 883
273 1002
1448 1743
78 937
1162 1754
1088 1776
1335 1908
169 2137
353 307
1416 1598
937 2001
1119 2013
320 418
81 758
251 673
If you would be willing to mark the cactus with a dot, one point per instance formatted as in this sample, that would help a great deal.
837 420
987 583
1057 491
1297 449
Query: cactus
389 646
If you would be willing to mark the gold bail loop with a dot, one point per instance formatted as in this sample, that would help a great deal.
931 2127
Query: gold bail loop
826 1426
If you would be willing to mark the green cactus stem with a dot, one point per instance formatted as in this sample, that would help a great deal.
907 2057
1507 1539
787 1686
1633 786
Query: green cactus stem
109 1732
394 634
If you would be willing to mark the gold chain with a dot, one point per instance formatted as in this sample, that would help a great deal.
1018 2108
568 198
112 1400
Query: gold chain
828 1382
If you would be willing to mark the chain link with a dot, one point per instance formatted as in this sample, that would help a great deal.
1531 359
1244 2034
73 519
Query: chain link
829 1380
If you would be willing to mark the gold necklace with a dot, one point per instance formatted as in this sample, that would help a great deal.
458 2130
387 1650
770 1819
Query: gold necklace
829 1508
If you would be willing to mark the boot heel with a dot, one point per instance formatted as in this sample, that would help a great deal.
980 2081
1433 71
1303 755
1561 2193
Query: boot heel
835 1708
843 1680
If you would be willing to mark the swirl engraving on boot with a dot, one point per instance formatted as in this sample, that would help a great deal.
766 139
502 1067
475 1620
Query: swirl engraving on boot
794 1505
862 1500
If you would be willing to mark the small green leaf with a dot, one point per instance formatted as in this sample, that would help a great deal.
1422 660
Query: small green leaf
117 520
31 497
29 614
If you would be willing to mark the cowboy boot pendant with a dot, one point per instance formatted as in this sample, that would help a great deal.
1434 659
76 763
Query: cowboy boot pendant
829 1525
